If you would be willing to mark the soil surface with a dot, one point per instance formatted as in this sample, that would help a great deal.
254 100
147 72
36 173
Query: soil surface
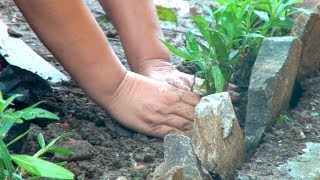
106 150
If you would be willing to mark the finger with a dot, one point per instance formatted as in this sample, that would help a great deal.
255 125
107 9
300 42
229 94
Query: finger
163 130
190 98
235 97
177 122
232 87
183 110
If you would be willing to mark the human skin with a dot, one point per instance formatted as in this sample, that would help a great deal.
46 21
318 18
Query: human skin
138 26
73 36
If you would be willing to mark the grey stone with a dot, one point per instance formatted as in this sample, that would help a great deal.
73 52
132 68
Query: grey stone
217 138
271 85
307 28
305 166
83 150
179 160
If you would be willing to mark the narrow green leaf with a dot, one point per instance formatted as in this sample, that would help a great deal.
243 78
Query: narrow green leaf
5 156
33 106
42 168
19 137
176 51
253 35
8 123
166 14
41 141
262 15
233 54
61 150
220 46
57 138
192 44
203 27
33 113
2 175
14 175
63 163
219 80
10 100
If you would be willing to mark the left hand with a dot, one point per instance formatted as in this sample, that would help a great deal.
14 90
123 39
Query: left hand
164 71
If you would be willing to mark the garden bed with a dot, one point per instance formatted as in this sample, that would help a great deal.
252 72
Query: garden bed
106 150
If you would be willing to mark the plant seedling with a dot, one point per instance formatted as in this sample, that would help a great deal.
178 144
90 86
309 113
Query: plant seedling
229 31
33 165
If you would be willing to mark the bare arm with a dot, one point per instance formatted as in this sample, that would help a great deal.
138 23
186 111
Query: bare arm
73 36
138 26
70 32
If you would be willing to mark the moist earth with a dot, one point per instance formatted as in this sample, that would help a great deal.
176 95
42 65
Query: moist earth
107 150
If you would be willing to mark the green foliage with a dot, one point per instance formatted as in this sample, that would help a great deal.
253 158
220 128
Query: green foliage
229 31
283 118
166 14
33 165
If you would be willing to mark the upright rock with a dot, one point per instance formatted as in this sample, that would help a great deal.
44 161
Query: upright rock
271 84
180 161
217 138
307 28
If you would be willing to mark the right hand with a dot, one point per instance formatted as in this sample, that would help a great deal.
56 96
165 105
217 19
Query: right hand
151 107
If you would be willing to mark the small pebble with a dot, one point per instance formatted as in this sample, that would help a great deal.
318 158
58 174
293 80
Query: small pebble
14 33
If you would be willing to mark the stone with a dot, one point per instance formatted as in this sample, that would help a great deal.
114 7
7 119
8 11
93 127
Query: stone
307 29
180 161
271 84
217 138
308 4
305 166
82 148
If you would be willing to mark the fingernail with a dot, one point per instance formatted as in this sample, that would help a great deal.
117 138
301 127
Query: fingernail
188 127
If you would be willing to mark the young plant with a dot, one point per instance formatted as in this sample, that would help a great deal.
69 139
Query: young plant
30 164
231 30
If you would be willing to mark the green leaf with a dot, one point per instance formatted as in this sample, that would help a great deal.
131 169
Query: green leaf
63 163
9 121
9 101
41 141
203 27
219 81
233 54
192 45
253 35
262 15
57 138
33 106
42 168
219 45
18 137
61 150
33 113
166 14
5 157
176 51
14 175
2 175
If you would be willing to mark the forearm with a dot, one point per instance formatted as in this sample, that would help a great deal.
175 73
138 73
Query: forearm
139 29
70 32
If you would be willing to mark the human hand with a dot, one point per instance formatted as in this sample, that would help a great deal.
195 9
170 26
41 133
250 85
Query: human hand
164 71
151 107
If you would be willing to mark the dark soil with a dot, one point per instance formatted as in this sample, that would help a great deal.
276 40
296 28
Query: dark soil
114 151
